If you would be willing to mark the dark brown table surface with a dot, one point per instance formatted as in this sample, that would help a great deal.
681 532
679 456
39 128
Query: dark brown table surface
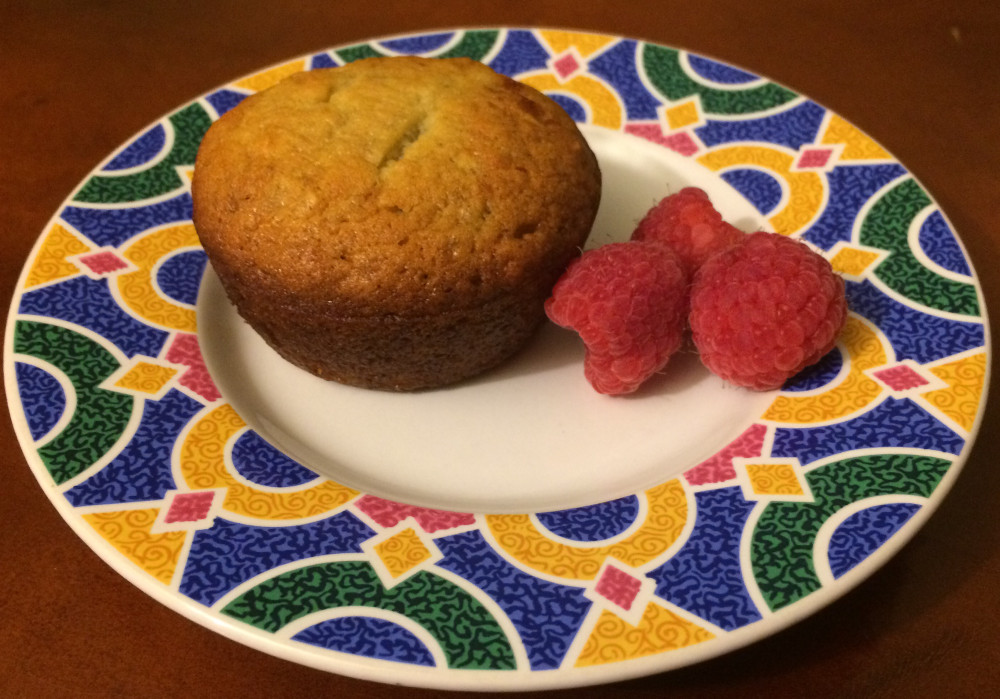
78 79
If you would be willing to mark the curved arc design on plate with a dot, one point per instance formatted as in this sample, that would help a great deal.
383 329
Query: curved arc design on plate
595 524
887 226
202 465
229 556
717 75
139 291
667 73
47 397
256 463
806 190
471 43
864 349
546 614
99 416
465 631
144 151
142 449
705 575
359 631
850 535
519 538
783 540
604 106
161 177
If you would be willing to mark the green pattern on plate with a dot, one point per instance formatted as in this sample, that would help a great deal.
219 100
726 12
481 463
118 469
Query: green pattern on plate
189 125
99 417
356 53
474 45
467 633
782 544
664 69
887 226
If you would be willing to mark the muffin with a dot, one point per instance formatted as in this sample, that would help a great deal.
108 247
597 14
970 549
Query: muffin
395 223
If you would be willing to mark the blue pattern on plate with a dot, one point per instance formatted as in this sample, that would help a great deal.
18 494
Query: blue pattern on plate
576 110
423 43
143 469
230 553
617 66
545 614
861 534
144 148
594 522
322 60
368 637
705 576
521 52
893 423
179 276
818 375
115 226
42 398
851 186
760 188
88 303
915 335
224 100
261 463
939 244
719 72
793 127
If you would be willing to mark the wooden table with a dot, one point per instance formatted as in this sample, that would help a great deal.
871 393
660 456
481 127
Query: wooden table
922 78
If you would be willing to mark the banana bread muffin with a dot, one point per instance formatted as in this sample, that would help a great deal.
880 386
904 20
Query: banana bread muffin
395 223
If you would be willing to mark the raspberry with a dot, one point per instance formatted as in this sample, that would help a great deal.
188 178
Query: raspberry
628 303
764 310
687 222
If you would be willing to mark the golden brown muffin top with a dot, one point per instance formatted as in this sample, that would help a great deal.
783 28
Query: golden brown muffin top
394 184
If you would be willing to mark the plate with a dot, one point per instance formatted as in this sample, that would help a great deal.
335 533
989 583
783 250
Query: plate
517 531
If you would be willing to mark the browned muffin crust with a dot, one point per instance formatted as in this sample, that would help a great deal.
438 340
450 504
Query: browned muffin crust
396 222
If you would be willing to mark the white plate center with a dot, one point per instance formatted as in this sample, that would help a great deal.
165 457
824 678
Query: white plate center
531 436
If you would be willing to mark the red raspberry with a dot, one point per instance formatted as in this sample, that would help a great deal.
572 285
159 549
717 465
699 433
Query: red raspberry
628 302
687 222
765 309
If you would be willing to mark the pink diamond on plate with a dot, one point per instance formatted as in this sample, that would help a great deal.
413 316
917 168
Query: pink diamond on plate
618 586
103 262
184 349
679 141
566 65
190 507
900 377
815 157
387 513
